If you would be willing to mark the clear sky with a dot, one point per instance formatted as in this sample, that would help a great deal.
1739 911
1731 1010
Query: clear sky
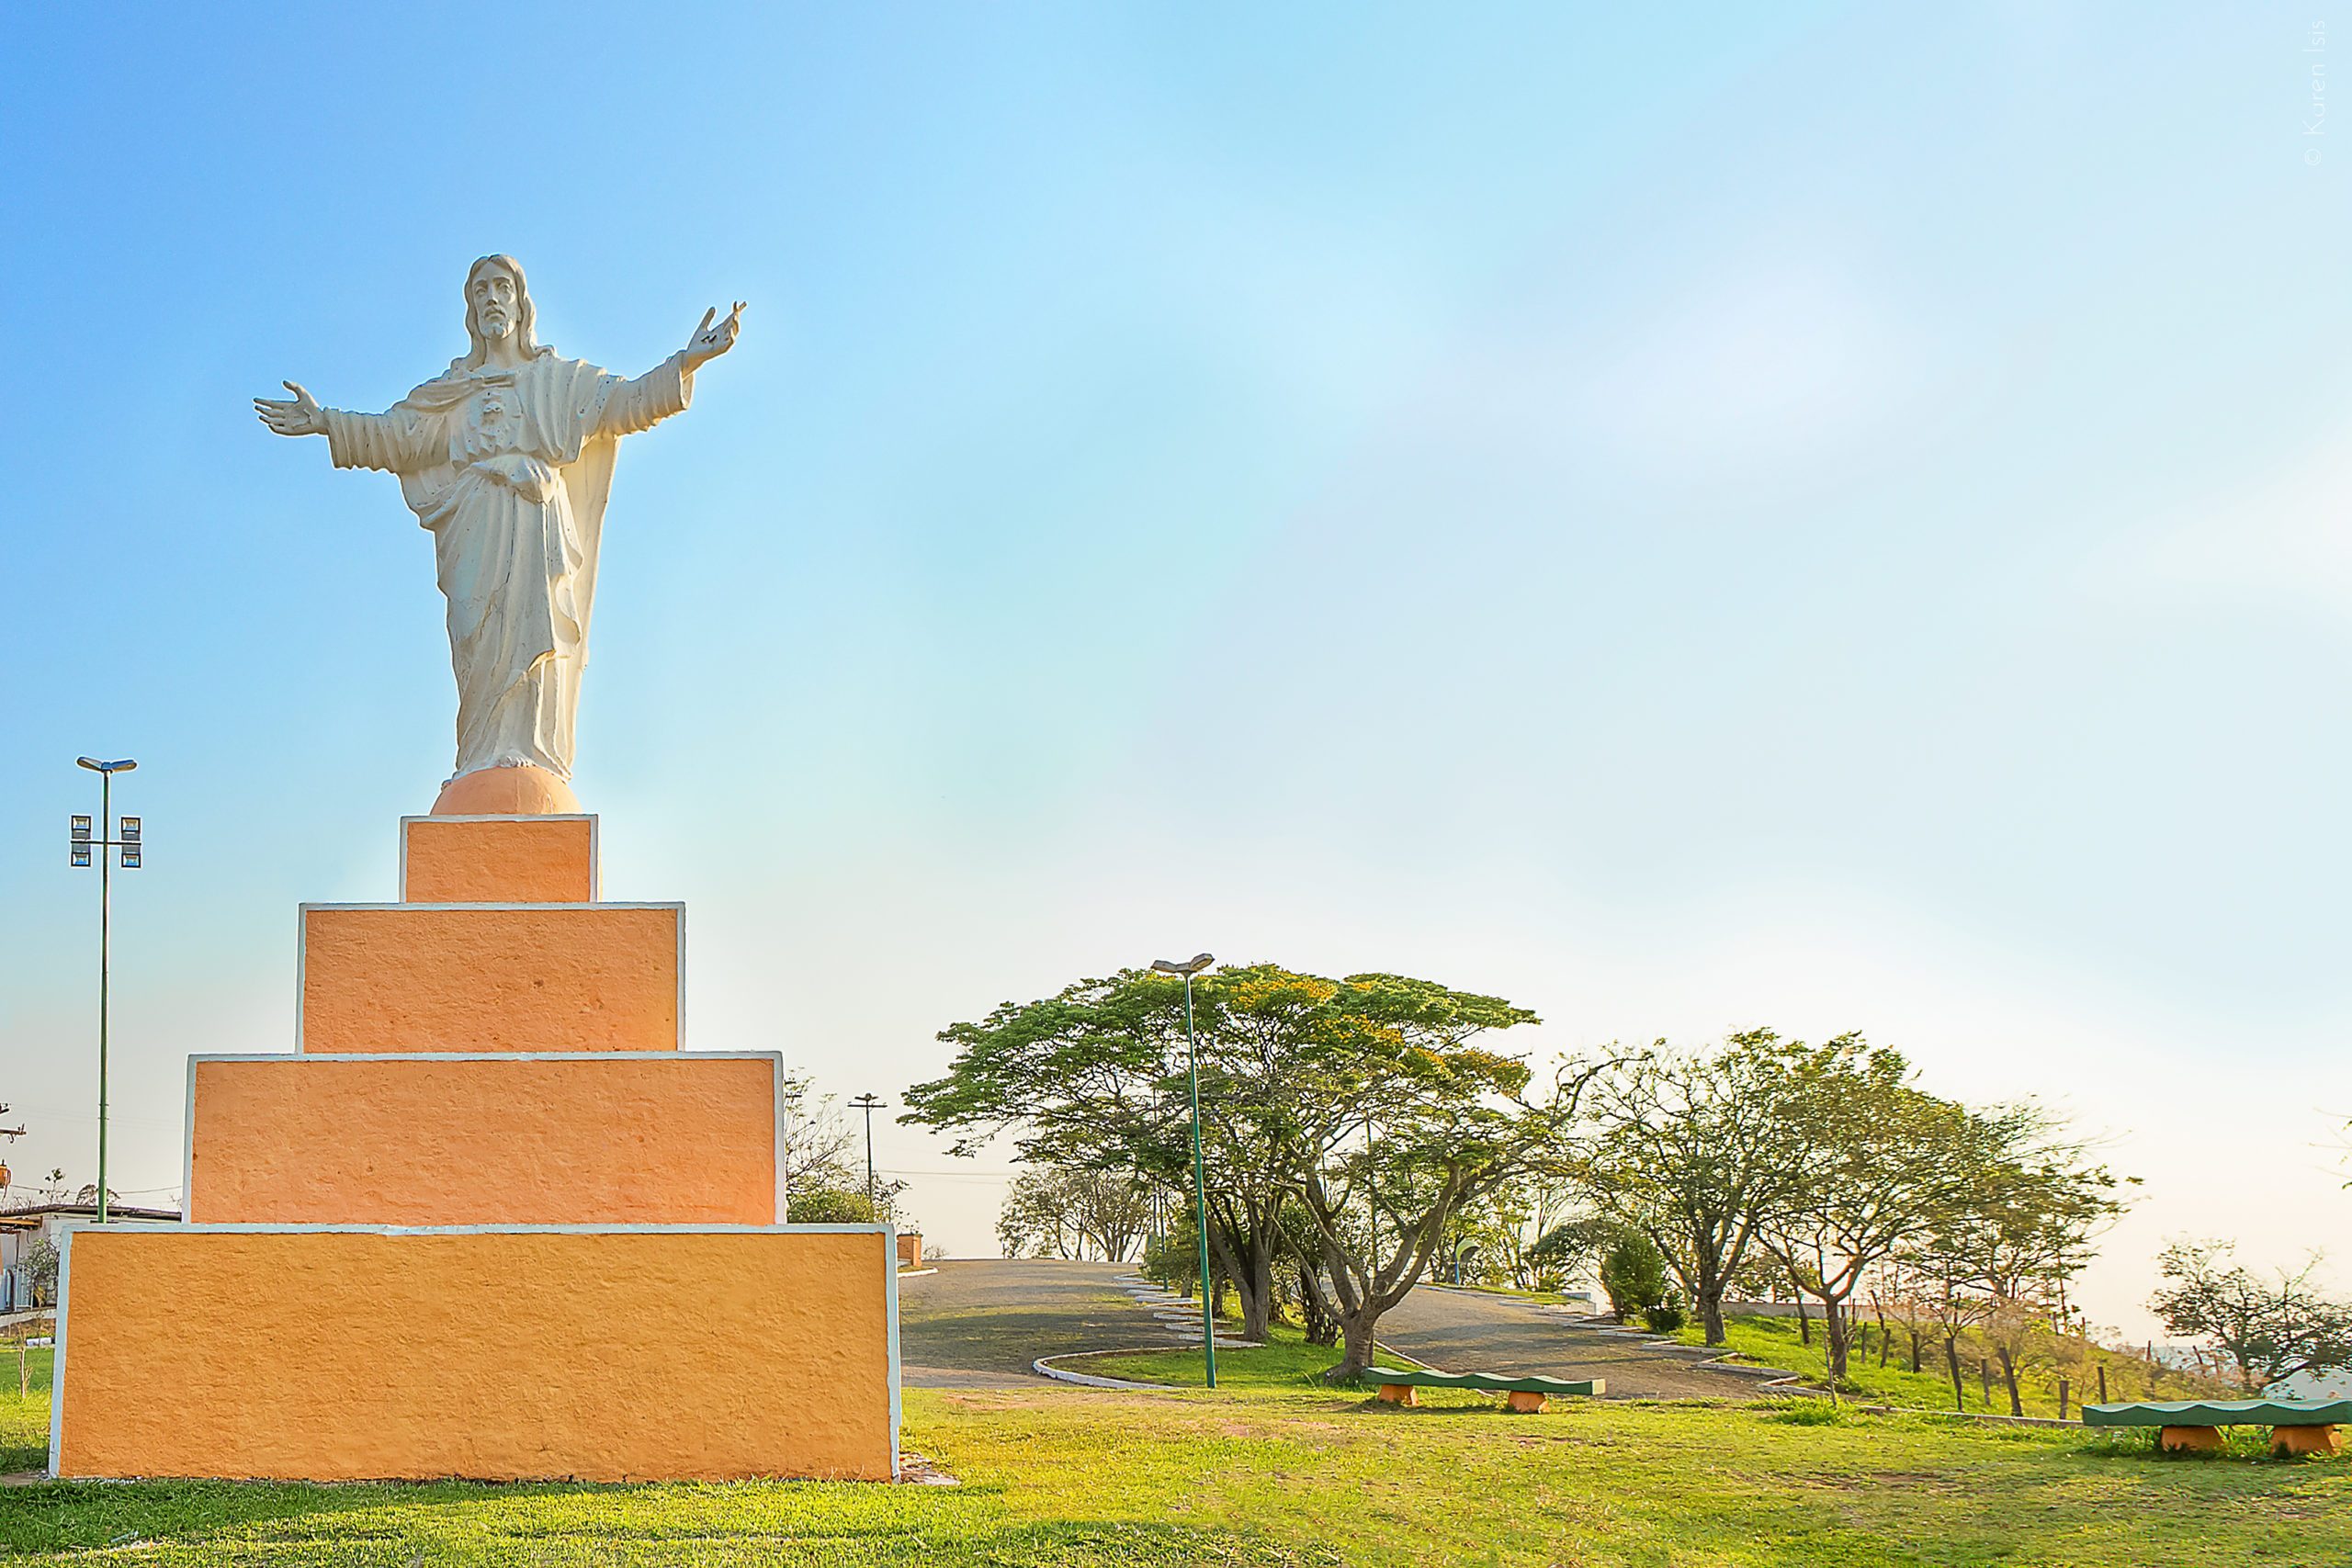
1824 517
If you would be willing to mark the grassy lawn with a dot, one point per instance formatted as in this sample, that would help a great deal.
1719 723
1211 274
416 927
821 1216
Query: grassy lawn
1297 1476
1284 1360
1773 1341
24 1418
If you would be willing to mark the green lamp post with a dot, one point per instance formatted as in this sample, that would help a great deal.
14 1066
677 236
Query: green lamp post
1200 1177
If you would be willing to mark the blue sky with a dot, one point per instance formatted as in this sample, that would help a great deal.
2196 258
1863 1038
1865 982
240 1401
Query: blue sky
1815 516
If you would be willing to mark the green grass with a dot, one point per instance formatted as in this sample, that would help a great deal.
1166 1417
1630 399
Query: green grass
24 1418
1773 1341
1284 1360
1279 1477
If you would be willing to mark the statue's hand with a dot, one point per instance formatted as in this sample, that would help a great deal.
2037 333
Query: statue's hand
300 416
709 341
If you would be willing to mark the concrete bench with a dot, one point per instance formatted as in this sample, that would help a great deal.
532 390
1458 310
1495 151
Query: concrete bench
1525 1395
2297 1425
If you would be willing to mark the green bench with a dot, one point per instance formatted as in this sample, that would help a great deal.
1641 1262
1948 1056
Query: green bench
2297 1425
1527 1395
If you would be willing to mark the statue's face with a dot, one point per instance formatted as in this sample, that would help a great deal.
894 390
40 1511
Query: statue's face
493 293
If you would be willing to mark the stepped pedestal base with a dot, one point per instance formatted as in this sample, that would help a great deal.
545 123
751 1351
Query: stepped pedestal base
488 1221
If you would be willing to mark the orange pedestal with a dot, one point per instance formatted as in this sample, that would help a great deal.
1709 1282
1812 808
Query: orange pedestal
2304 1440
490 1222
599 1355
668 1137
498 860
465 977
2191 1439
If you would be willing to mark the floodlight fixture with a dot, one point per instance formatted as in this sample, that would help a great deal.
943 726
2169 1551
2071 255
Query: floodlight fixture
1199 961
98 767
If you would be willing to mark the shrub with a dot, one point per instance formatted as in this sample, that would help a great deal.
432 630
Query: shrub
825 1207
1634 1273
1665 1317
1811 1412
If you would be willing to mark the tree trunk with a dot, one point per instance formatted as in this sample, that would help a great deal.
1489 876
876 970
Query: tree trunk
1959 1389
1883 1341
1834 1325
1322 1324
1357 1348
1804 1324
1245 1263
1915 1350
1257 1298
2009 1376
1707 1298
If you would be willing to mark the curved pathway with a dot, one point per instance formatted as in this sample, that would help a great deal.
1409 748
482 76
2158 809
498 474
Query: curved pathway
1470 1331
979 1323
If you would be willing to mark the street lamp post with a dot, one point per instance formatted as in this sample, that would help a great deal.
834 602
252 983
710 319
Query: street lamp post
127 841
869 1104
1200 1177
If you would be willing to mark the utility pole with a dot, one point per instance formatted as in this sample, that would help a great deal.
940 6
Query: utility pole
870 1104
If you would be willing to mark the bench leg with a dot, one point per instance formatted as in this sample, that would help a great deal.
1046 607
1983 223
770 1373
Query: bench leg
2190 1440
1399 1393
1526 1402
2304 1440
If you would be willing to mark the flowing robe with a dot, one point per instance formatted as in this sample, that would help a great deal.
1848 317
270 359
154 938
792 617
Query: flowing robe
509 469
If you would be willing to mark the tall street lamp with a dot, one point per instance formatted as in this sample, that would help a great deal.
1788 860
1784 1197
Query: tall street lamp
1200 1178
126 842
869 1104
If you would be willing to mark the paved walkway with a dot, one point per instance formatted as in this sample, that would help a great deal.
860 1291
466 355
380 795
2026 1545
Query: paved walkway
979 1324
1468 1331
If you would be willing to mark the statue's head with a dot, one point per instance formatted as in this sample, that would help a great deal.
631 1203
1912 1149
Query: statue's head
498 305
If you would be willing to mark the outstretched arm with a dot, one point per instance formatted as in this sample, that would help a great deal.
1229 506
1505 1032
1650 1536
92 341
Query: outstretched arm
299 416
669 387
399 441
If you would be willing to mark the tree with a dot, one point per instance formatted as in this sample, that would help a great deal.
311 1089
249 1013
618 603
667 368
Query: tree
1362 1096
2014 1226
1694 1150
1882 1160
1569 1250
2269 1332
817 1148
38 1260
1096 1077
1071 1210
1391 1109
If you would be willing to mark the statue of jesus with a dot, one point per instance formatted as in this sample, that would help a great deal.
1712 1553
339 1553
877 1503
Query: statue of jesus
507 458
